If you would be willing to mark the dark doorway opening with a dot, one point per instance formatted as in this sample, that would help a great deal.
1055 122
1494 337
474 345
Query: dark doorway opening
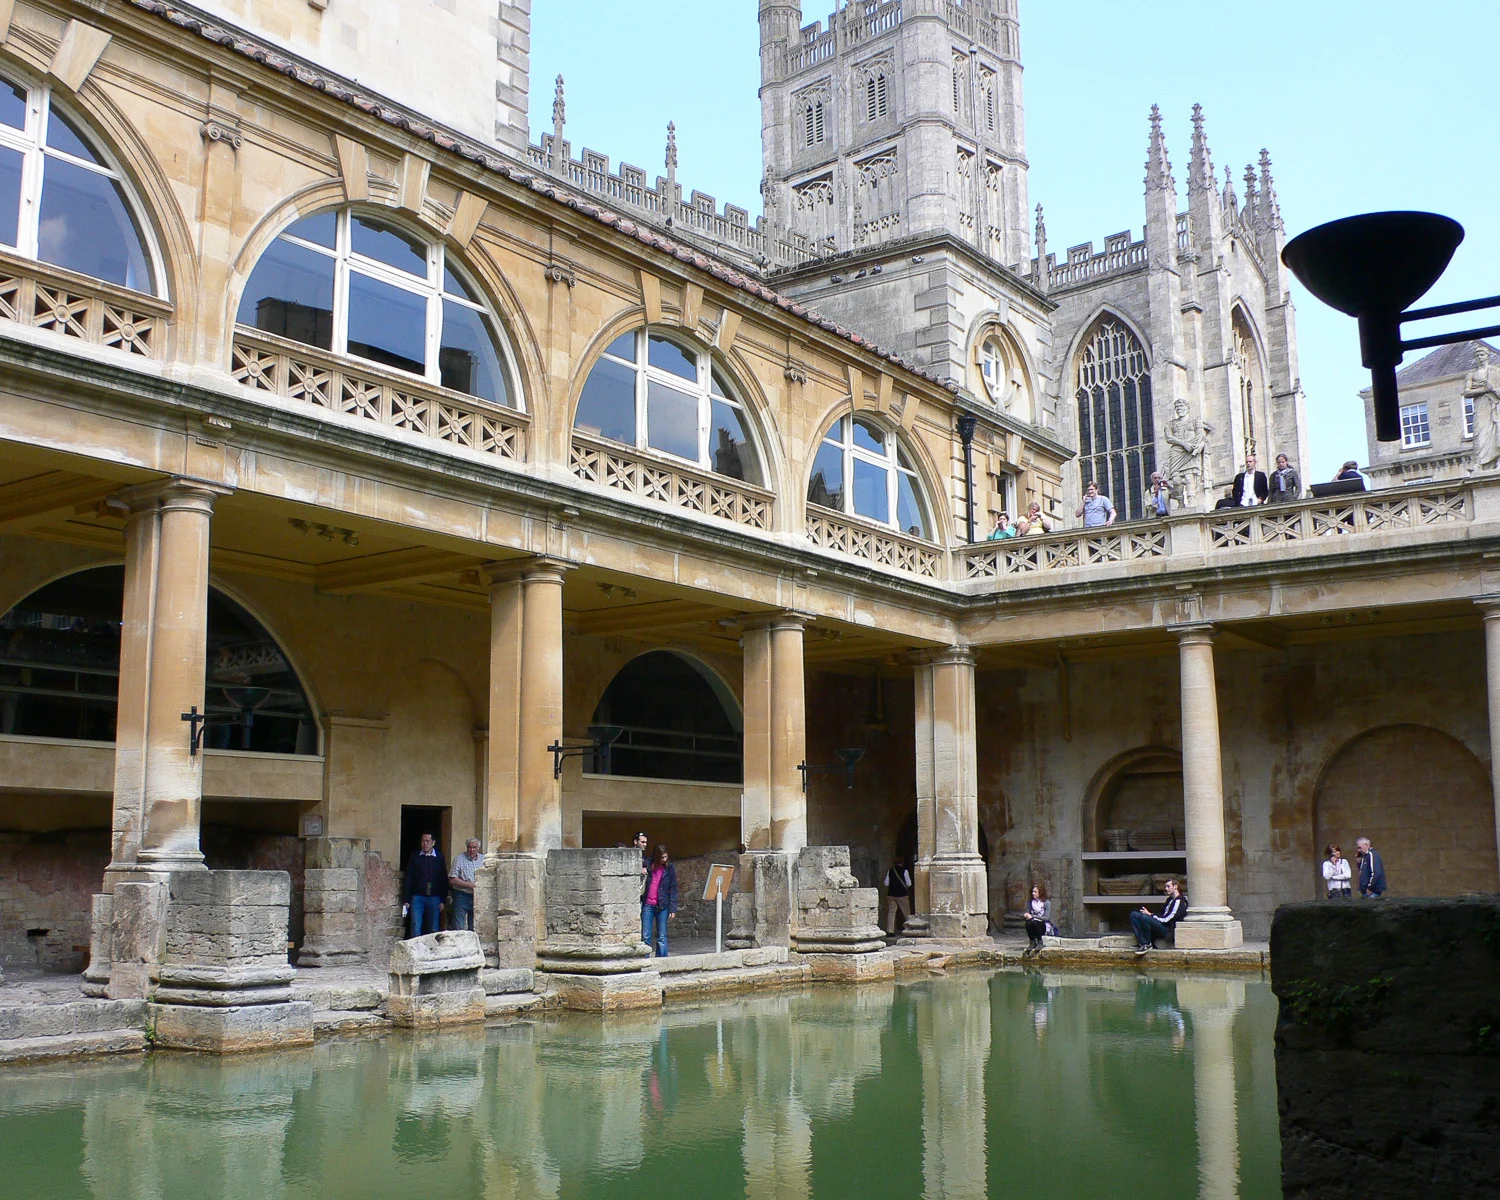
417 819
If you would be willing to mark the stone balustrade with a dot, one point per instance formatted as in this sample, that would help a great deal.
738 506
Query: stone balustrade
875 544
78 306
621 469
305 374
1309 526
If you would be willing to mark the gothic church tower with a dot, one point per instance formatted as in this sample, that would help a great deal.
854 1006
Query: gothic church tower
900 119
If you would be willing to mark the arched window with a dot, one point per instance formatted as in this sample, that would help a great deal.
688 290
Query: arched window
813 128
677 721
877 97
356 283
1116 430
62 200
60 670
1251 389
653 393
863 470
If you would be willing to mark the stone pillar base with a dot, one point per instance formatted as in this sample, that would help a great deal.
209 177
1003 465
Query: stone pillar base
101 935
959 905
771 874
1209 929
833 914
233 1029
435 981
606 993
138 918
741 933
849 968
508 910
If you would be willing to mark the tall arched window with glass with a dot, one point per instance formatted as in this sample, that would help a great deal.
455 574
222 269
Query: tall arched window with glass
655 393
863 471
62 200
1116 430
357 283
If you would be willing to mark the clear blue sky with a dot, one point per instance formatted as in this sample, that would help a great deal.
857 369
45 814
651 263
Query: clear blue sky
1363 104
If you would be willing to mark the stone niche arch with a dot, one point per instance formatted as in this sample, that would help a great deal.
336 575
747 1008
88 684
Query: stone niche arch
1138 790
63 660
1422 798
679 720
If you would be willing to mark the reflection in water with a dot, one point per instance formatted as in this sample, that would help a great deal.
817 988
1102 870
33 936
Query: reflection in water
985 1086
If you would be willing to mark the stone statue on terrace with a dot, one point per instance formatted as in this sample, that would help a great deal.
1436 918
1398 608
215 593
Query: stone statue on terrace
1483 388
1187 446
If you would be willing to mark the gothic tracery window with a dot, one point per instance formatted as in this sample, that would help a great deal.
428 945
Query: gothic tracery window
1116 429
813 124
61 200
1251 387
877 97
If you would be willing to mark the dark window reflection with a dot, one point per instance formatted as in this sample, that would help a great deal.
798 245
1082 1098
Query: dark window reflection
85 226
675 723
60 668
467 359
827 485
729 444
10 195
290 293
12 105
387 324
607 406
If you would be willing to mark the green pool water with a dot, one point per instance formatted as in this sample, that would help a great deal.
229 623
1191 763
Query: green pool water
975 1085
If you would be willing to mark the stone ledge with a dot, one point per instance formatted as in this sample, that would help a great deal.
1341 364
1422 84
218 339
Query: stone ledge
850 968
71 1045
700 984
77 1017
605 993
1246 958
232 1030
513 1007
727 961
507 981
340 998
342 1022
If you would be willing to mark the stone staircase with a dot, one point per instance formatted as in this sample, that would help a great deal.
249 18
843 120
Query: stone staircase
35 1032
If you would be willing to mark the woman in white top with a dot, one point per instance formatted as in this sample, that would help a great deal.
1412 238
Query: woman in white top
1336 873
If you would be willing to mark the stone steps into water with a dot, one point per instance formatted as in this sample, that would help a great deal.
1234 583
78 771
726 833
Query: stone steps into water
513 1006
36 1032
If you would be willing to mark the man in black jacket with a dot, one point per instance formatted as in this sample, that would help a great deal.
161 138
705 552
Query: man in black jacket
898 888
425 887
1149 927
1250 486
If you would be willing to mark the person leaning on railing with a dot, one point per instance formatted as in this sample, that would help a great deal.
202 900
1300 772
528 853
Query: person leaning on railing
1035 521
1286 484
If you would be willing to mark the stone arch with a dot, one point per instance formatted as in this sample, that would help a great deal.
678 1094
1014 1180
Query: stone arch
518 337
1425 801
680 721
1142 785
72 630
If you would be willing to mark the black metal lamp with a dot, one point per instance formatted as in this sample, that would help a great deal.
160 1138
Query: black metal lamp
602 737
1372 267
847 759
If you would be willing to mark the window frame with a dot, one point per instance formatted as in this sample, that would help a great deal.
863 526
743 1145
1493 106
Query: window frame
877 97
841 435
1468 418
814 124
31 143
1412 425
347 262
702 388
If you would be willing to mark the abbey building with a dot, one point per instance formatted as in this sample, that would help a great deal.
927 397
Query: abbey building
371 467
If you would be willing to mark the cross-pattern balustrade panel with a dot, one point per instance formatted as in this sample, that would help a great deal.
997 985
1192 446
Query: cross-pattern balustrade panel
301 373
873 543
624 470
76 306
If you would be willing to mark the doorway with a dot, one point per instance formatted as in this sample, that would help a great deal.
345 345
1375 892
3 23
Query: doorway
417 819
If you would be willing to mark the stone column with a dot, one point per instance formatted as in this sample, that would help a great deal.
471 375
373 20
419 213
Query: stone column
773 814
523 802
1209 925
1491 609
1212 1005
952 885
773 805
954 1034
163 646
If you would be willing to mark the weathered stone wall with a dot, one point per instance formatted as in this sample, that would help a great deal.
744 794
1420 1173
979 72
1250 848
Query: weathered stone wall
1050 740
1388 1048
46 884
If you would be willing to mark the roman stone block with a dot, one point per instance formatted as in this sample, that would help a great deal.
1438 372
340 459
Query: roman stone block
833 914
1402 997
229 1030
606 993
435 980
138 925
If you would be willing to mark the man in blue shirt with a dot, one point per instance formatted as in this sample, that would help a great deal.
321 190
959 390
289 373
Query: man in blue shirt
1097 509
1371 870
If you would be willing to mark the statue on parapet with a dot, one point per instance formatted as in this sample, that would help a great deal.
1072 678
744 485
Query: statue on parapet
1483 388
1187 446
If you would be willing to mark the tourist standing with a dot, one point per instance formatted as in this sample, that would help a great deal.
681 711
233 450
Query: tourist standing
1158 497
1250 486
898 888
461 884
661 898
424 888
1003 528
1371 870
1038 918
1097 509
1148 927
1336 874
643 844
1034 521
1286 486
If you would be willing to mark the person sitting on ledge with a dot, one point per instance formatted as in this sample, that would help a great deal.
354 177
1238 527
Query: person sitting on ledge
1038 919
1149 927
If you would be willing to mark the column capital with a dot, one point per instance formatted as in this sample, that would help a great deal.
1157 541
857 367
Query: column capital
1489 605
534 567
949 656
786 619
1194 633
175 491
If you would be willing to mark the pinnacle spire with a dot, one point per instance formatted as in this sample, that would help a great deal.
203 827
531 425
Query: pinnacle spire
1201 174
1271 210
1041 273
1158 167
672 146
1252 198
559 105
